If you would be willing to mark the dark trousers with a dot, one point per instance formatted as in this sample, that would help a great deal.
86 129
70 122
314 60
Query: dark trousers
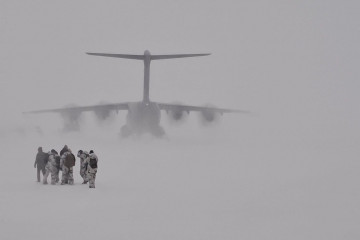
38 172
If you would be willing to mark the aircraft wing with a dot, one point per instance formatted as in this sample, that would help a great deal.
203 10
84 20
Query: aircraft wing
187 108
100 107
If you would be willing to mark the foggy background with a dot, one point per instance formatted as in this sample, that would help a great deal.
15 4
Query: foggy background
290 169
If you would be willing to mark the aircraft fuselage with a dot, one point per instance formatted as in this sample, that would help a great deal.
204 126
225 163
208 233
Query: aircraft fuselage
143 117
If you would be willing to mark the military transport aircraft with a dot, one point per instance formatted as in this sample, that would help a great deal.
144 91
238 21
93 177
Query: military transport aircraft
143 116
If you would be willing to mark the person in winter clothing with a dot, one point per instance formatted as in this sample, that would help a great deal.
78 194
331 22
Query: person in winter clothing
67 162
83 155
65 149
57 165
40 162
91 171
51 167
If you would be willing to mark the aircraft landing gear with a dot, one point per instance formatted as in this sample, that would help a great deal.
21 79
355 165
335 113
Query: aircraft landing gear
125 131
157 131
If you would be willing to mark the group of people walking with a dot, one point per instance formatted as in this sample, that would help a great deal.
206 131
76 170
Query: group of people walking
51 163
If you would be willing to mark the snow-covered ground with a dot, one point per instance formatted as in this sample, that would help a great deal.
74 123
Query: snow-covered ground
197 183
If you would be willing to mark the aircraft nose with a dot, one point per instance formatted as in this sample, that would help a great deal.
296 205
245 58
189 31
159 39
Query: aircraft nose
147 53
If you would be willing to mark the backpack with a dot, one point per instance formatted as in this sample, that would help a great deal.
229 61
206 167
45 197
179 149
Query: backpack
69 160
93 163
46 158
57 161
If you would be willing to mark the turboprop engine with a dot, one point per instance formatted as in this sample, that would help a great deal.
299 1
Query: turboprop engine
104 113
178 114
209 116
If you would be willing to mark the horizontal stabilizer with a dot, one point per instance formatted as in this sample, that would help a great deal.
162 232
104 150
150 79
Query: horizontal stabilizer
128 56
147 54
159 57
